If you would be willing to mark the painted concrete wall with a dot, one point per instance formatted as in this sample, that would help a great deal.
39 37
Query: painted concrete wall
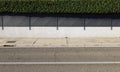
62 32
19 26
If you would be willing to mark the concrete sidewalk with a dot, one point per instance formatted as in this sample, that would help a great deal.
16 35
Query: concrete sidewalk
60 42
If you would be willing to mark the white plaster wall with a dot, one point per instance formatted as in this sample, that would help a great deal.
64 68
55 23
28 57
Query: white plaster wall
62 32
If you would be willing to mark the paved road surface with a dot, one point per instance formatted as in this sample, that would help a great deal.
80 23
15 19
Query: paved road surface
59 55
61 68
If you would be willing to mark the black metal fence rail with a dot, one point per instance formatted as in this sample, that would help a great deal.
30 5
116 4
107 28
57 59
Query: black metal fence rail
57 21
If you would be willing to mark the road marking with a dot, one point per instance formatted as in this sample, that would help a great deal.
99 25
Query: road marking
15 63
52 47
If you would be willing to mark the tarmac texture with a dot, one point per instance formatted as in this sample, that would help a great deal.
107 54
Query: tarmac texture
61 54
61 68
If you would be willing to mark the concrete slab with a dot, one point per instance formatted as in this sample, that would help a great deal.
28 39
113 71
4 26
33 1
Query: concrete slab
50 42
25 42
2 41
82 42
110 45
93 45
94 42
62 42
109 40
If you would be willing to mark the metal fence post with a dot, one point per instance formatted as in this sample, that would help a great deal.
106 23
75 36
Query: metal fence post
57 23
29 22
84 24
2 23
111 24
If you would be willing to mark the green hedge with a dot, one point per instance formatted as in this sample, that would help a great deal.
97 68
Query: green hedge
60 6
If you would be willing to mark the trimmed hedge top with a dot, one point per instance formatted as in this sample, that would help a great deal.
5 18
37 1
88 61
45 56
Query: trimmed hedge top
60 6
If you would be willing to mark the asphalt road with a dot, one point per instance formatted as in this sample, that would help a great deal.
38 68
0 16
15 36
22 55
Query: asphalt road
59 55
61 68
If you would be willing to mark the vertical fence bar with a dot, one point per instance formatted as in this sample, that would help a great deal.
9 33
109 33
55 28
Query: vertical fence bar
111 24
55 6
2 23
57 23
84 24
29 22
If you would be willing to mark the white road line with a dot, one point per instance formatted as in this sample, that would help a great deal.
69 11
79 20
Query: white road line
15 63
52 47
